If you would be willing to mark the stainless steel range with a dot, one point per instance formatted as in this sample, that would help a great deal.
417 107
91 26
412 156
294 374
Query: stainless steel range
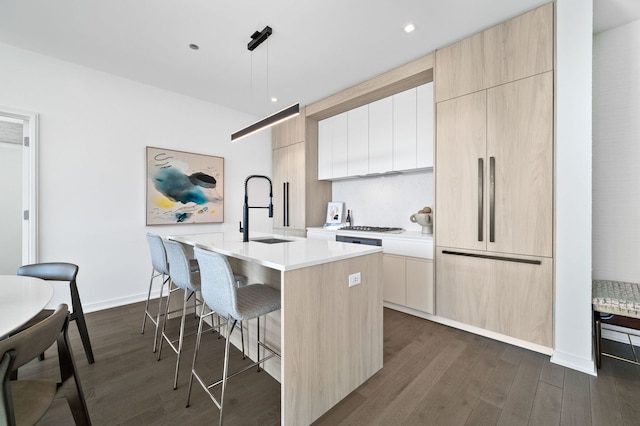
372 229
363 240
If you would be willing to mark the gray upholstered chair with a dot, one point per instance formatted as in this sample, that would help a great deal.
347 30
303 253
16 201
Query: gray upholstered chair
60 271
160 268
234 303
26 401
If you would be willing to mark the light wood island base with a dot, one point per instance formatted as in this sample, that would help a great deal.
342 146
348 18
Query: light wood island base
332 335
329 334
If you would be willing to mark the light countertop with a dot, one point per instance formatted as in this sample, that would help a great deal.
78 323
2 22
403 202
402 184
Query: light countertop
296 254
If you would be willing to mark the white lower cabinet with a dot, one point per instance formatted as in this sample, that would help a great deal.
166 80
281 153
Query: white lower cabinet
408 281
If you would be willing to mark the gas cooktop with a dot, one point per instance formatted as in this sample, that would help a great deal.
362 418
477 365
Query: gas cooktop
372 229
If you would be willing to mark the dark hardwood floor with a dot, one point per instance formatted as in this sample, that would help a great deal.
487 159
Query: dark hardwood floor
432 375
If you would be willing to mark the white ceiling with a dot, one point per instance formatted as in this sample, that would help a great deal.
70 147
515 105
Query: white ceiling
318 47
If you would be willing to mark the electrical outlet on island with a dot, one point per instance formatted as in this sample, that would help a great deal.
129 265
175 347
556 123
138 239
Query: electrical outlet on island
354 279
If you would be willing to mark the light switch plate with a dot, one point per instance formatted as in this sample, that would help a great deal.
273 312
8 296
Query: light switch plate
354 279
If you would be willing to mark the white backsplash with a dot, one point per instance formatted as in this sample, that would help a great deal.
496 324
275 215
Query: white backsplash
386 200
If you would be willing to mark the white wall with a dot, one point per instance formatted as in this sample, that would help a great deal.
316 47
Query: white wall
386 200
93 131
572 307
616 153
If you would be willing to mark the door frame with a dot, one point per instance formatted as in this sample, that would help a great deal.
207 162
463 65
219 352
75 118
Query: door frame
29 181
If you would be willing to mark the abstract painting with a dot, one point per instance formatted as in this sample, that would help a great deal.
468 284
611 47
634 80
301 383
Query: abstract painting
184 187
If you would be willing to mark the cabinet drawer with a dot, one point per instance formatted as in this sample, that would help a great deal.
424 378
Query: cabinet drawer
504 296
412 248
419 275
394 276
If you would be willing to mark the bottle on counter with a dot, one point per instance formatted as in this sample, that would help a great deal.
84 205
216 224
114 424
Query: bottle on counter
348 217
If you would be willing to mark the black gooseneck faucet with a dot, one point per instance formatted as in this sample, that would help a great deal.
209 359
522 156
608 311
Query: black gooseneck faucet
246 206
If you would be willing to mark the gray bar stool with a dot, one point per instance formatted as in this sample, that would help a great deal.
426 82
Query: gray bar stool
160 268
183 278
234 303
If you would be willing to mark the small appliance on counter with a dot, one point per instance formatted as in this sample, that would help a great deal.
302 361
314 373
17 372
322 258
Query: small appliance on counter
424 219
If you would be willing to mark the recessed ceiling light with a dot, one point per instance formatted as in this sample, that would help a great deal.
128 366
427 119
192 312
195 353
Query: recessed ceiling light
274 99
194 46
409 28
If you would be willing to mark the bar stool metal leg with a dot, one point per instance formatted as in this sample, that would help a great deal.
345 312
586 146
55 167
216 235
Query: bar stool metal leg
146 305
156 321
225 371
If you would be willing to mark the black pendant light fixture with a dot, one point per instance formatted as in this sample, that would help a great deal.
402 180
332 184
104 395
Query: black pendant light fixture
278 117
257 38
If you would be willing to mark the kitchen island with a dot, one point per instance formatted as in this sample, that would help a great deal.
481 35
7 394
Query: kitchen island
329 333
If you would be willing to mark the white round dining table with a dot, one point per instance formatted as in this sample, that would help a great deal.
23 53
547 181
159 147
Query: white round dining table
21 298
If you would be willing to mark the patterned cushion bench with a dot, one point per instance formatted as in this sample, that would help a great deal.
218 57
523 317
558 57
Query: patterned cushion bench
617 303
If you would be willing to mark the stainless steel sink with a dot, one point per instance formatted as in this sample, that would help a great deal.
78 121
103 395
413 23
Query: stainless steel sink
270 240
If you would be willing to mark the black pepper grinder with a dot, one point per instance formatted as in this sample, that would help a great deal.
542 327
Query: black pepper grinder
348 217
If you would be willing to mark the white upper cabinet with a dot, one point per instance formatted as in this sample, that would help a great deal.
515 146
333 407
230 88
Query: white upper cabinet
339 151
404 130
332 147
380 135
325 149
424 113
358 141
391 134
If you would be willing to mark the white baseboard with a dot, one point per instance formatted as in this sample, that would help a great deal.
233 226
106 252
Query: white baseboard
584 365
121 301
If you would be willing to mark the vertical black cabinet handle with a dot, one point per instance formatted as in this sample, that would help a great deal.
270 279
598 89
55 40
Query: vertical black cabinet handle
286 208
480 199
492 199
284 203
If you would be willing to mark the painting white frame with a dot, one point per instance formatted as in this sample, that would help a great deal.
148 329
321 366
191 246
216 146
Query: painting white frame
335 212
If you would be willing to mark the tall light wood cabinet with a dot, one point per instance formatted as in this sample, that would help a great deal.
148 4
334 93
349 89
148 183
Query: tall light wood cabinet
520 166
518 48
289 184
460 170
495 148
494 179
299 198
